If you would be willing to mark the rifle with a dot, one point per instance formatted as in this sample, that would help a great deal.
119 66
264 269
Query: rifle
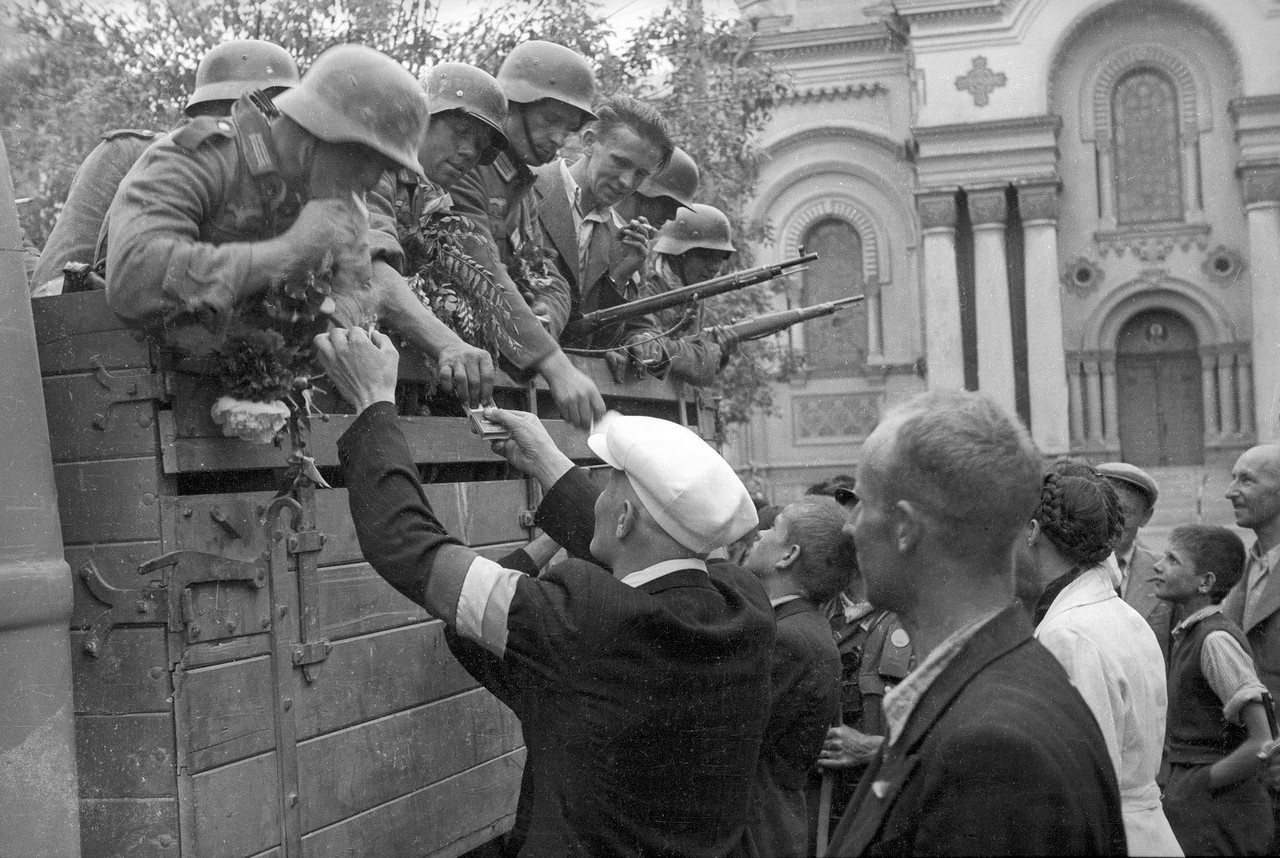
772 323
688 294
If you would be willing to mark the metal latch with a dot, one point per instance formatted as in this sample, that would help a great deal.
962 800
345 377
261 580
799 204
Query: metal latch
123 389
167 600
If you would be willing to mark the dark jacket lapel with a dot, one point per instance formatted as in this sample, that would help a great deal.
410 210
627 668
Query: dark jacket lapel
552 207
795 606
679 578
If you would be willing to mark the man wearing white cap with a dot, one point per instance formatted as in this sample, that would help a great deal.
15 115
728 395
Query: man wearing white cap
639 669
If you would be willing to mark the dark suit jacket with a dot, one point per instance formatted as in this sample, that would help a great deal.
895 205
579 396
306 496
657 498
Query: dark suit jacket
1001 756
642 708
805 701
1264 633
1141 596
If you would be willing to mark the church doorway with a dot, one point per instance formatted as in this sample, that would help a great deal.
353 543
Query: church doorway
1159 389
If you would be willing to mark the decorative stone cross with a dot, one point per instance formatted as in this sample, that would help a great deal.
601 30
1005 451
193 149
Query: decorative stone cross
980 81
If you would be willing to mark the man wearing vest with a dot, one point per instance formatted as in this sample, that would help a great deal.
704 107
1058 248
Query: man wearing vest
220 209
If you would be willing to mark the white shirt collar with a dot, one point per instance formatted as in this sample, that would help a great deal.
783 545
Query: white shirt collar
574 192
657 570
782 600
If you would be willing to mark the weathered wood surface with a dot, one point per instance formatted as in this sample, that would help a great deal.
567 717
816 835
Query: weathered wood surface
77 331
236 809
90 418
226 712
129 828
438 821
115 501
125 756
130 675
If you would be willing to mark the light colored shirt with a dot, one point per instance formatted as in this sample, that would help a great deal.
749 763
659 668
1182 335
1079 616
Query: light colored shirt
901 700
584 222
782 600
1124 563
1257 570
1226 666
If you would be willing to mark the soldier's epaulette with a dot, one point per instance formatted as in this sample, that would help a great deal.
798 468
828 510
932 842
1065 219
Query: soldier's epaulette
505 167
139 133
201 129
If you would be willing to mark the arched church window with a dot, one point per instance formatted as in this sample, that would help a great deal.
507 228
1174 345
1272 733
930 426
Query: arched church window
837 343
1148 173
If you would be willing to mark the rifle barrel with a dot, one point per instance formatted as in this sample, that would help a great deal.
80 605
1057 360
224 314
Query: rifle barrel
772 323
694 292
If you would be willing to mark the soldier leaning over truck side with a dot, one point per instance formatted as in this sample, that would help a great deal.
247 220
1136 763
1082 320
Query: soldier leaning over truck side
220 209
549 90
225 73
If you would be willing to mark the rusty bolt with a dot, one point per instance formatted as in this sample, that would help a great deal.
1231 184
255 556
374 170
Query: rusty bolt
144 420
165 841
156 672
148 499
187 512
293 799
140 606
132 389
91 647
231 628
266 622
195 632
282 610
288 703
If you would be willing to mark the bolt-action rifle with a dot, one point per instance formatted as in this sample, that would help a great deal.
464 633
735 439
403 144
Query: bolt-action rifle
688 294
772 323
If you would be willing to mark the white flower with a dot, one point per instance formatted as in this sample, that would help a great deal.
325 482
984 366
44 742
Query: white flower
259 422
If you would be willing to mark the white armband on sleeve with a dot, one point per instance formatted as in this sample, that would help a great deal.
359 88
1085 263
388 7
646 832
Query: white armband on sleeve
485 601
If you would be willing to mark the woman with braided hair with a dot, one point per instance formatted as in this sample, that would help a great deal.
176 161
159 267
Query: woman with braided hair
1107 649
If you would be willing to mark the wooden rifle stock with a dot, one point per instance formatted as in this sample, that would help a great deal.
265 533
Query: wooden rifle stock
772 323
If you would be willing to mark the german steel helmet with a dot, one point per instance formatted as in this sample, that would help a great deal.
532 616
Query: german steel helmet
537 70
354 94
233 68
678 180
473 91
697 227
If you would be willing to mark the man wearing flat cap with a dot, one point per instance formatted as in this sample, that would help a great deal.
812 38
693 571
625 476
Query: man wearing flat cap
1138 492
639 669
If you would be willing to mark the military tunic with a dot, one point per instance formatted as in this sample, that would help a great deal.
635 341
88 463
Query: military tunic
75 235
695 359
495 199
399 203
180 233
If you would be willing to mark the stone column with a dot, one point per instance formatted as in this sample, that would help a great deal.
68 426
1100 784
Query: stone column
988 211
1262 207
1209 394
1191 178
1106 184
1075 392
1110 402
1093 399
1227 390
875 344
1046 363
944 352
1244 391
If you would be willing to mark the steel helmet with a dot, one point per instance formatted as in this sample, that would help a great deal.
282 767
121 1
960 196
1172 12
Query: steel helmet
231 69
697 227
473 91
354 94
537 70
678 180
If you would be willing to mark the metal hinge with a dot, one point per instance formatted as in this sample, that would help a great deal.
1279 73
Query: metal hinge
124 388
305 545
167 600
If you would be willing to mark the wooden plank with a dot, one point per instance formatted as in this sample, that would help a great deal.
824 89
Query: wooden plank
125 756
90 421
130 675
75 332
236 809
348 772
443 820
116 563
116 501
129 828
354 600
375 675
491 511
226 712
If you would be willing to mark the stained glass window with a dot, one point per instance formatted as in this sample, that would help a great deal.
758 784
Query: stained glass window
837 343
1148 168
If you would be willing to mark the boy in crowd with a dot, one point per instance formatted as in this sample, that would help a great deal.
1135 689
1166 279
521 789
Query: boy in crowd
1216 800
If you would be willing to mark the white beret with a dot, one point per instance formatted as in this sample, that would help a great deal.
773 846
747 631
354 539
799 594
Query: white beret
686 486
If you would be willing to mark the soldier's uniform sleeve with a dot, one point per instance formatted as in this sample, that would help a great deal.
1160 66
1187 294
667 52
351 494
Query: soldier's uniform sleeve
384 238
157 265
527 343
75 236
695 360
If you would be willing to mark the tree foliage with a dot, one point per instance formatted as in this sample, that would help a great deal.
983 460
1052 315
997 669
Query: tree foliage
71 70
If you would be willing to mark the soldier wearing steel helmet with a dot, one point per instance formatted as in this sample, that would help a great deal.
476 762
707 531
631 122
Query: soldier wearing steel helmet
466 130
689 249
660 198
549 90
220 209
225 73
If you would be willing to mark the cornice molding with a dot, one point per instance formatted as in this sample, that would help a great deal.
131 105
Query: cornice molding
1051 123
836 93
943 10
858 39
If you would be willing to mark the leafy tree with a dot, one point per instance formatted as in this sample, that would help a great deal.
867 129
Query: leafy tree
73 69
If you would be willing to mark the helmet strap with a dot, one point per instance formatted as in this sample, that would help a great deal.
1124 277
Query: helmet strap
524 127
